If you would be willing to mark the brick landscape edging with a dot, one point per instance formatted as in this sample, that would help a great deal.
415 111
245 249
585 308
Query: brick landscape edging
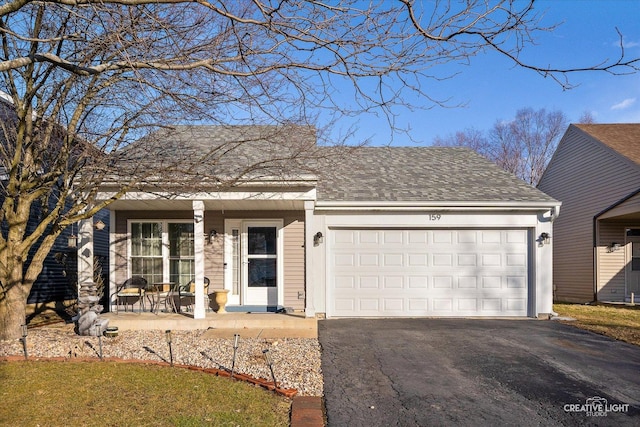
286 392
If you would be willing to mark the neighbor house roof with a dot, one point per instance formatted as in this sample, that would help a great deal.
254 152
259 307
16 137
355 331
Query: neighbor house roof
621 137
423 174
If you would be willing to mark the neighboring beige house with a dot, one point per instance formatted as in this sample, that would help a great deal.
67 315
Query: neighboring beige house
379 232
595 172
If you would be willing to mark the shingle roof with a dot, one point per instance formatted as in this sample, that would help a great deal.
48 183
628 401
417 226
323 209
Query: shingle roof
621 137
345 174
423 174
252 152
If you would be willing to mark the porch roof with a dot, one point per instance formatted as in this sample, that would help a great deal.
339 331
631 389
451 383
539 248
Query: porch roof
626 209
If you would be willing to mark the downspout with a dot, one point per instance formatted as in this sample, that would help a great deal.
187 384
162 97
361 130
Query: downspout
555 211
594 259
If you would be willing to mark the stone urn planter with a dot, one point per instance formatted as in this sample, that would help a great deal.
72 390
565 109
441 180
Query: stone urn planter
220 297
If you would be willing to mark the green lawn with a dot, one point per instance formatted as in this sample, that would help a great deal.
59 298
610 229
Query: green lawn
116 394
619 322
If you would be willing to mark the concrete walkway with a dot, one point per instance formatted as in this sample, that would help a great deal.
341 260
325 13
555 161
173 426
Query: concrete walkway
256 325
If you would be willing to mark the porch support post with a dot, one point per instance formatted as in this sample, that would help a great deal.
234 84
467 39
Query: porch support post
85 252
310 285
199 311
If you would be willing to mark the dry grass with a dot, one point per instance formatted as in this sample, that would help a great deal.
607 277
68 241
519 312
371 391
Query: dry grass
115 394
619 322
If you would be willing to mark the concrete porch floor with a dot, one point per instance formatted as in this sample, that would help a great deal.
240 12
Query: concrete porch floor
248 325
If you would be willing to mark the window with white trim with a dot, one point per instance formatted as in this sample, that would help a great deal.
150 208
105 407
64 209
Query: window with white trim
162 251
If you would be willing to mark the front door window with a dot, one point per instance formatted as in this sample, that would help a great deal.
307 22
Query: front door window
262 257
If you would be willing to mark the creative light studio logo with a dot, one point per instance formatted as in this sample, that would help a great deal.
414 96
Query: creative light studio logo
596 407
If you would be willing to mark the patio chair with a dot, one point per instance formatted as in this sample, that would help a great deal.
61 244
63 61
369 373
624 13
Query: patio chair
130 292
187 294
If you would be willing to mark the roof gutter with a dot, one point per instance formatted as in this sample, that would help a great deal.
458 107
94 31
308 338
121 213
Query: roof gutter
440 206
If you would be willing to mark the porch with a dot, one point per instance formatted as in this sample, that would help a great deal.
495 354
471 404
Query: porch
617 255
247 325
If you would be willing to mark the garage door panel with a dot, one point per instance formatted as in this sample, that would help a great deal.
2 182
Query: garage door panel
417 236
417 259
348 260
466 236
442 260
367 237
442 236
491 260
470 282
393 282
466 260
345 282
393 260
428 273
395 237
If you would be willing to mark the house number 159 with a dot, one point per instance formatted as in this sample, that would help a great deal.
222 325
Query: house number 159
435 217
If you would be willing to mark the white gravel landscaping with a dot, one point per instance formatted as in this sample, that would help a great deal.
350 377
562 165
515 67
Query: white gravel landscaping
295 361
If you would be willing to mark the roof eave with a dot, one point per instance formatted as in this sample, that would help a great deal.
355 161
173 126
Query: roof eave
439 205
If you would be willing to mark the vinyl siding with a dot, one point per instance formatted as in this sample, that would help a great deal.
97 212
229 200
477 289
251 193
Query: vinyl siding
611 267
294 263
293 256
587 177
58 279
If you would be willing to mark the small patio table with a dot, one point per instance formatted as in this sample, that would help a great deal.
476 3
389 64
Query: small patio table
159 292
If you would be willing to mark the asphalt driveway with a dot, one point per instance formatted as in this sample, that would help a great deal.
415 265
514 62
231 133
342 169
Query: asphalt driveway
408 372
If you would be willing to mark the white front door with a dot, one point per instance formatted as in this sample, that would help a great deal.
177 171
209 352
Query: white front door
253 264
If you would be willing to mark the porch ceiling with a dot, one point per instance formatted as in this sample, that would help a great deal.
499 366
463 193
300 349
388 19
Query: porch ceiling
209 205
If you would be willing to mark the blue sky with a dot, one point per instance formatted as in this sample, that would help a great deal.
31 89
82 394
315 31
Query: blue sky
493 89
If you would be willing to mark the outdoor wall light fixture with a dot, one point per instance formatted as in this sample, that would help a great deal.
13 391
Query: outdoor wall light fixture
212 235
318 238
545 238
614 246
72 240
99 225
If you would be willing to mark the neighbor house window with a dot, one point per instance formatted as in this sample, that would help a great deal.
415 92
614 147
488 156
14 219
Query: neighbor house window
162 251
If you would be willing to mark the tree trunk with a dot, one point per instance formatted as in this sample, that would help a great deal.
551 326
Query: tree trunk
13 304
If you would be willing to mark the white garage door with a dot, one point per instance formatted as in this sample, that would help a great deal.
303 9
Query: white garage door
428 273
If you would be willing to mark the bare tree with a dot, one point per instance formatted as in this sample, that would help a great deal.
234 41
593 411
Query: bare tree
533 135
522 146
587 118
82 79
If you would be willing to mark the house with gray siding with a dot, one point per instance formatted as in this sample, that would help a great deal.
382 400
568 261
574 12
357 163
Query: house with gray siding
375 232
595 172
